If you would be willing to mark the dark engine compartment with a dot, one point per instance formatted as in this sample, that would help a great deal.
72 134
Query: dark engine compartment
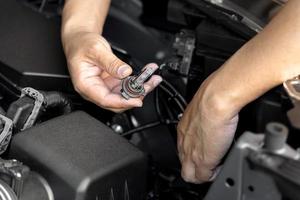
84 152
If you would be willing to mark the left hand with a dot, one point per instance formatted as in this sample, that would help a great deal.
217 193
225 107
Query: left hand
96 72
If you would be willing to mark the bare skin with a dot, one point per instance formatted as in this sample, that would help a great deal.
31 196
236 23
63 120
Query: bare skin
209 123
95 71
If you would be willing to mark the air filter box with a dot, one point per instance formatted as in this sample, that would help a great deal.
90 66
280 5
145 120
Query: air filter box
82 159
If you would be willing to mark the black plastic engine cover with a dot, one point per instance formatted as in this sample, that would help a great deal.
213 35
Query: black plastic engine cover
82 159
31 52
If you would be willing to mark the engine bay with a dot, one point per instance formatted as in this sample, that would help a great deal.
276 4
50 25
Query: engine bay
56 145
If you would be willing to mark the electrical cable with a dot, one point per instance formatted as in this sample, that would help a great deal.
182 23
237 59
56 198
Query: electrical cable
173 96
177 94
157 106
170 86
159 113
141 128
173 93
147 126
43 4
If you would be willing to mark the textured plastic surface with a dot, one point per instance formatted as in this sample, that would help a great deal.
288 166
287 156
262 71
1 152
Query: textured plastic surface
31 53
82 159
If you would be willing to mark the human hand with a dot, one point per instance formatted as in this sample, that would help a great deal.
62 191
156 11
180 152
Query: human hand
205 133
96 72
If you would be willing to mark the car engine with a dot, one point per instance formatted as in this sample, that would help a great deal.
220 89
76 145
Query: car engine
56 145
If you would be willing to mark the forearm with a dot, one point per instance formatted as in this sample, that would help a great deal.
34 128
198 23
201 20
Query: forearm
207 127
266 61
84 15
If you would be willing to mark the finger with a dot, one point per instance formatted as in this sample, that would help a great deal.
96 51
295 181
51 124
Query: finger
203 174
117 101
206 173
117 110
181 156
188 170
153 82
113 65
179 141
110 100
154 66
150 85
95 90
215 173
179 144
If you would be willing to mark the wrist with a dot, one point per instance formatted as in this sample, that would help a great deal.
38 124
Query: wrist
71 26
77 40
71 29
212 99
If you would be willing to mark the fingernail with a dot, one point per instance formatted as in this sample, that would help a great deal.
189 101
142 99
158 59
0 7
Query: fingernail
215 173
124 71
152 65
157 81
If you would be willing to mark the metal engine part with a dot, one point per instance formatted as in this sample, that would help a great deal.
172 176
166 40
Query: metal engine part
18 182
6 192
259 167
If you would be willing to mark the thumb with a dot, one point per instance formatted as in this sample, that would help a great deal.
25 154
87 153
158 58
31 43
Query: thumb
114 66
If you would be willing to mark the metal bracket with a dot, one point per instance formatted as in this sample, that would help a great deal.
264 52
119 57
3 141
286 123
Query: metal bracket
38 102
16 171
251 169
24 183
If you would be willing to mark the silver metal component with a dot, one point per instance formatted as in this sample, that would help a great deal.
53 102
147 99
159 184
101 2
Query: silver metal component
133 86
25 184
252 168
276 136
180 116
6 133
134 121
275 141
117 128
216 1
292 87
130 90
6 192
268 143
38 102
17 171
251 141
237 174
36 187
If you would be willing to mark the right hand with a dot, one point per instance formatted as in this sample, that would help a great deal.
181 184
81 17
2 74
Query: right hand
205 133
96 72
